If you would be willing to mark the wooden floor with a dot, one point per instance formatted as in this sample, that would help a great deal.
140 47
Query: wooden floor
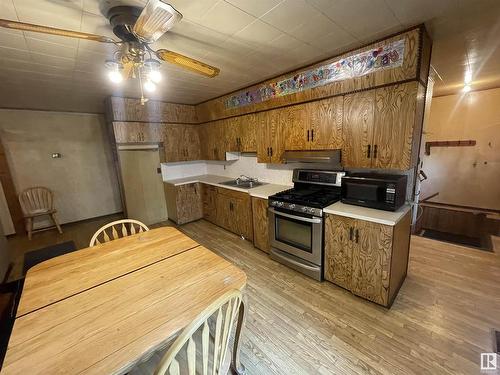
439 323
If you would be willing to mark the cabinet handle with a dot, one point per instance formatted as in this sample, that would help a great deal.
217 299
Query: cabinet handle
312 135
271 151
268 151
369 151
351 230
357 235
375 152
308 135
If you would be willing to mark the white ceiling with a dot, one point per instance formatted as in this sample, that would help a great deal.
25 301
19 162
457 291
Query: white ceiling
249 40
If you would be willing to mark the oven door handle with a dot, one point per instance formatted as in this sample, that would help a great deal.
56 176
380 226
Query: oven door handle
278 253
301 218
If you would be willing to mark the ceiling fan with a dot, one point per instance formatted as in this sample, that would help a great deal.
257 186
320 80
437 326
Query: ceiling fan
137 29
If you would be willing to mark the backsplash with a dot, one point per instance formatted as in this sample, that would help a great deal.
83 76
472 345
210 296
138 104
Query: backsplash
247 164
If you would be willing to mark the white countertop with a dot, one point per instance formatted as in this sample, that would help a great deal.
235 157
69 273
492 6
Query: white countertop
263 191
368 214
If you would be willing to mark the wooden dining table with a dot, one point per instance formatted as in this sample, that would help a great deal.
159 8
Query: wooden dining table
103 309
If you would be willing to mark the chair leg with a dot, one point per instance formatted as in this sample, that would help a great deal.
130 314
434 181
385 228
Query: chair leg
29 227
56 222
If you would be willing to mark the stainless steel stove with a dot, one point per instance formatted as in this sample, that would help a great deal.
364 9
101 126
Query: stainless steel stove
296 220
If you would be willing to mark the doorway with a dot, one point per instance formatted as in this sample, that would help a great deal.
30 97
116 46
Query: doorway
143 187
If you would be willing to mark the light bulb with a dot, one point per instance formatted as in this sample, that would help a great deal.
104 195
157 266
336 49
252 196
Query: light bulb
149 86
466 88
155 76
468 77
115 76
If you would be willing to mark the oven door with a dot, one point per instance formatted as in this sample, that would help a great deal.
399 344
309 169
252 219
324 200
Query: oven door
295 234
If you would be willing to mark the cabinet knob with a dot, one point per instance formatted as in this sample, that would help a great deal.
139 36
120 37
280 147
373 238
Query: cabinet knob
375 152
312 135
351 230
308 135
369 149
357 236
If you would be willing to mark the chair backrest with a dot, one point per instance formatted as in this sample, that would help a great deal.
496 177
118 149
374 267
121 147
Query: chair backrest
35 200
193 352
117 229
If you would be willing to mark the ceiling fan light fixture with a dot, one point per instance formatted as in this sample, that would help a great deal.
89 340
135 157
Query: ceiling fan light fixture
156 18
114 71
149 86
153 70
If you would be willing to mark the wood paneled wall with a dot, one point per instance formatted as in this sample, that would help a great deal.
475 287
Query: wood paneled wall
10 192
415 67
127 109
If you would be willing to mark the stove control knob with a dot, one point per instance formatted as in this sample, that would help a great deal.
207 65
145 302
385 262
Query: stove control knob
304 209
292 206
279 204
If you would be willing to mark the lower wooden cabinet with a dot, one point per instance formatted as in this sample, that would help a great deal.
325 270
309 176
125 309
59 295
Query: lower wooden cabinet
234 212
184 202
367 258
209 200
260 224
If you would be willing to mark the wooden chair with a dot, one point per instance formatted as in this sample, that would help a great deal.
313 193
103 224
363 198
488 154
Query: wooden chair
38 201
202 346
117 229
189 355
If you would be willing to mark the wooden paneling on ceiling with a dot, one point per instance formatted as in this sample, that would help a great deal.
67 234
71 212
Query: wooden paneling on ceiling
414 67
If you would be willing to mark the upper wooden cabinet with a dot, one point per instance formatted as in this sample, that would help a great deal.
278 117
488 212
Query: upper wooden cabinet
270 137
381 127
367 258
239 133
314 126
247 133
357 129
395 114
326 117
138 132
182 142
213 142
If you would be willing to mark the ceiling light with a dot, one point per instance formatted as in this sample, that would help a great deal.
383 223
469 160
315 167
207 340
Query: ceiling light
114 73
155 76
115 76
466 88
149 86
468 77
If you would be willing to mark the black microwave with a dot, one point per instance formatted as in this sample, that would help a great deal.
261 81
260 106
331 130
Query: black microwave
374 190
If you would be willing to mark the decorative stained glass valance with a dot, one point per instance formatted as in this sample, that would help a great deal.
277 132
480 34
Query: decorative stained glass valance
384 57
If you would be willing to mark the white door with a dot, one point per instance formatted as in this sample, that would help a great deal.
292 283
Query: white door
143 185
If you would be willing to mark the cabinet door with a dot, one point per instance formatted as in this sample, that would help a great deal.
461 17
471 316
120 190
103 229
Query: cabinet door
260 224
326 123
224 211
209 198
191 141
189 204
248 128
296 124
218 138
357 129
173 143
150 132
262 136
231 134
242 215
339 241
371 259
277 138
394 122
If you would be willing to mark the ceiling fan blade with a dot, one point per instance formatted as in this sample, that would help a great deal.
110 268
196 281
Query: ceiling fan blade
187 63
52 30
155 19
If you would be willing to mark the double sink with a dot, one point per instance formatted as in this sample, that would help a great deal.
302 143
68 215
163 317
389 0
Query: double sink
244 183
